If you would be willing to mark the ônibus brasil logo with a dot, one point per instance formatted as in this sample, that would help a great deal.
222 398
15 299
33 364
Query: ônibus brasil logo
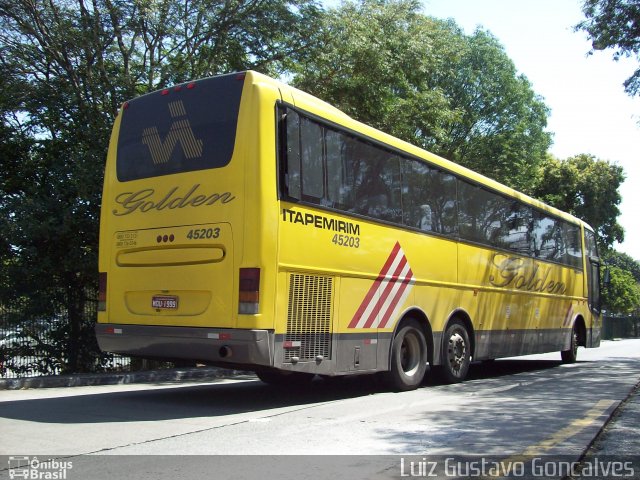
35 469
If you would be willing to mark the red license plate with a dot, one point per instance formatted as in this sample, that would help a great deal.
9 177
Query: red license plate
164 302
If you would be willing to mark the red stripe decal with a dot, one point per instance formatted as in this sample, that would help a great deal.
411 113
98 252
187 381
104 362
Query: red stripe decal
382 298
396 299
385 293
374 287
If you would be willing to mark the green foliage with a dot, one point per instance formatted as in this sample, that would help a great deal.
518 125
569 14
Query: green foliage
501 131
425 81
587 187
624 262
615 24
622 296
65 68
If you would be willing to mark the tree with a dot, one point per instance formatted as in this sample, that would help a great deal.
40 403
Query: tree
624 262
65 69
501 130
426 82
586 187
615 24
622 296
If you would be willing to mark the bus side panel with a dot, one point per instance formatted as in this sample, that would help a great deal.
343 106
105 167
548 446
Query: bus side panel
316 277
370 275
518 305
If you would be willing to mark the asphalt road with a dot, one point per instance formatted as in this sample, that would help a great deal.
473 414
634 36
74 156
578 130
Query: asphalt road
513 410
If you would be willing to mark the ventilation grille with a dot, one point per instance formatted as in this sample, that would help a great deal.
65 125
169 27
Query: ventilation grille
309 317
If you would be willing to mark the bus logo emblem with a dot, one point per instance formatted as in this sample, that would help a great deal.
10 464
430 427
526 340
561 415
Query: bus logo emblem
180 132
387 294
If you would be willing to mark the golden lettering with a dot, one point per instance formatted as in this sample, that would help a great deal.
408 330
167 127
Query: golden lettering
144 200
523 274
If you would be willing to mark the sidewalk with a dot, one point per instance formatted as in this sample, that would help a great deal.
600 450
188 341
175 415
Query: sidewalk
89 379
619 440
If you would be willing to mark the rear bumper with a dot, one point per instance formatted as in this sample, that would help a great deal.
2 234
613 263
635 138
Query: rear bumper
207 345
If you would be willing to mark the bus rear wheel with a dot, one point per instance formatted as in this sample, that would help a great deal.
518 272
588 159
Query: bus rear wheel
571 355
408 358
456 353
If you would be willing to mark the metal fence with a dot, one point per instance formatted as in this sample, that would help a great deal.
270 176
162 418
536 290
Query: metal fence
620 327
39 345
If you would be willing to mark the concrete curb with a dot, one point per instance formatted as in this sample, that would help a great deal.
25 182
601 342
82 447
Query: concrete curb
90 379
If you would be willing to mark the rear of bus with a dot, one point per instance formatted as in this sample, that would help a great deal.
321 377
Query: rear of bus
182 225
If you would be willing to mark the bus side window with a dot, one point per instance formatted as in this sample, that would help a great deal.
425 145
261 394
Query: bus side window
417 212
518 229
549 238
428 198
373 180
292 177
311 160
340 191
574 246
482 215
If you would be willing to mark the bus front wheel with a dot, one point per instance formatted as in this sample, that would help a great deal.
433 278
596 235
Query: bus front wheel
408 357
456 353
571 355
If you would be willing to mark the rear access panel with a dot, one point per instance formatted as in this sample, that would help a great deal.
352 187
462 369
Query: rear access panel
194 287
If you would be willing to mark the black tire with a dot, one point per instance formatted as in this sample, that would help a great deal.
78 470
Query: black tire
284 378
571 355
455 353
408 358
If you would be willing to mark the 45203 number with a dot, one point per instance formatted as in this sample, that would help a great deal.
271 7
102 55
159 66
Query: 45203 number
346 241
206 233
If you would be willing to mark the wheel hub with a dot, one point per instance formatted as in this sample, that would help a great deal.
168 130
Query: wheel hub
457 351
409 355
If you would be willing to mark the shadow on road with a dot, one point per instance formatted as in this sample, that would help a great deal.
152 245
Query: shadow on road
507 399
500 368
222 399
217 399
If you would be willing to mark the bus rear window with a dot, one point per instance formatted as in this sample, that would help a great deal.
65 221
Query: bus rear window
180 129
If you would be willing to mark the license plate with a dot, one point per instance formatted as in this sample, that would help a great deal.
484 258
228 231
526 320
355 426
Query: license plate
164 302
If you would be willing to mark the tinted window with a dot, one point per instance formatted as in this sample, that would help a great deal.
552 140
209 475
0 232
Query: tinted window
375 180
337 169
482 215
548 238
590 240
573 244
311 155
292 178
340 191
517 230
556 240
341 171
428 198
186 129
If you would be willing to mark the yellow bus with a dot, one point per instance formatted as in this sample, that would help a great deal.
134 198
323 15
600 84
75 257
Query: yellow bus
248 224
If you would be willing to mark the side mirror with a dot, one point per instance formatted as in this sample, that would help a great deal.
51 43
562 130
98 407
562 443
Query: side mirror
606 280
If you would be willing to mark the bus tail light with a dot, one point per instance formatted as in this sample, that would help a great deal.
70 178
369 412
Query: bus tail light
102 291
249 297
